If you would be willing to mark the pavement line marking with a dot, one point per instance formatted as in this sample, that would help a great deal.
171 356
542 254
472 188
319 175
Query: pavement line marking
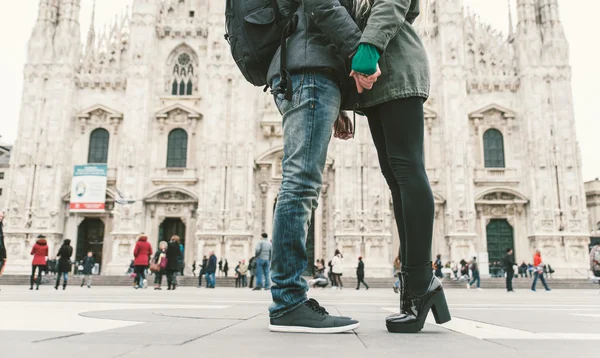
593 315
487 331
66 316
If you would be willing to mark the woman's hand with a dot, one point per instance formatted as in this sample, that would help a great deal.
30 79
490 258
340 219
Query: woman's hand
363 81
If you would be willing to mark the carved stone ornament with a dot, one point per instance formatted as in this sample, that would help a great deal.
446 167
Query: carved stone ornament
99 116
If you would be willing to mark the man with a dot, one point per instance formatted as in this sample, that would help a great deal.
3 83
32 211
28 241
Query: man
438 267
210 270
203 268
475 271
2 245
243 272
263 263
88 265
523 270
539 271
252 269
509 263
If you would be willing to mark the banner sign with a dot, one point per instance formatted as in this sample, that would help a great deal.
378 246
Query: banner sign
88 188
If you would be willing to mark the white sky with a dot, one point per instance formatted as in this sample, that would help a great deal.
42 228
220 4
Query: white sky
578 16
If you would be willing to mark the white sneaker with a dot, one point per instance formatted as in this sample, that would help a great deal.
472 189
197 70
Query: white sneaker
468 286
479 289
145 283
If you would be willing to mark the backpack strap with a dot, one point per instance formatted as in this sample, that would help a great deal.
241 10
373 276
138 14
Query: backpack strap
285 85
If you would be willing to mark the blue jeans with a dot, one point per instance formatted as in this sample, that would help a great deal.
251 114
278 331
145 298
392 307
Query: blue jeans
475 279
262 270
307 129
210 279
537 275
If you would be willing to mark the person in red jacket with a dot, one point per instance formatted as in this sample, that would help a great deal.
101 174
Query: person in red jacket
40 255
142 254
539 271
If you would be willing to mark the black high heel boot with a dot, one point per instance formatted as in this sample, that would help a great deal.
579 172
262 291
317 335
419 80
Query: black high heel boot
415 308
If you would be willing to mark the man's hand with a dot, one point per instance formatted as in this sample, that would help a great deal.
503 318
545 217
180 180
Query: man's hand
364 82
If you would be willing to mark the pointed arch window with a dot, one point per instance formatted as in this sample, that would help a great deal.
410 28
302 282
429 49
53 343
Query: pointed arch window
177 149
98 150
183 71
493 147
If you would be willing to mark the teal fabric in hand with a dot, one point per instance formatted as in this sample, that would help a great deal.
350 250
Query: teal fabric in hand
365 60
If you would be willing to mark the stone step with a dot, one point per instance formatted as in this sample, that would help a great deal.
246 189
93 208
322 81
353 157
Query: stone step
349 282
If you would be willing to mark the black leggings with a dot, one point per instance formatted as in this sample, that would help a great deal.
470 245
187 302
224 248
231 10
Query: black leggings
40 269
397 128
140 275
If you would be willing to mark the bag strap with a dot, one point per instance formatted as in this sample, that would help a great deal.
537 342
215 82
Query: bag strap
285 85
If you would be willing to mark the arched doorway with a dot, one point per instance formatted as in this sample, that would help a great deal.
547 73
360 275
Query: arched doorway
170 227
310 244
90 237
500 237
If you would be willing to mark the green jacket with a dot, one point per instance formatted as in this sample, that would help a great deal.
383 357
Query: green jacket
404 65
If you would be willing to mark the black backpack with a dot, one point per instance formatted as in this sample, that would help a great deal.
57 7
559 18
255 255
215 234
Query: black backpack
255 30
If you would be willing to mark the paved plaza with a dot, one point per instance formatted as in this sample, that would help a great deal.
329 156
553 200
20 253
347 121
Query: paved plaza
189 322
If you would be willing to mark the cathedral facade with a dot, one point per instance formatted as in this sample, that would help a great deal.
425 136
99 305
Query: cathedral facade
196 150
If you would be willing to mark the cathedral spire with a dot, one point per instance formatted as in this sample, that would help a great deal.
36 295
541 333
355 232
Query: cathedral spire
510 22
91 39
527 14
48 11
549 16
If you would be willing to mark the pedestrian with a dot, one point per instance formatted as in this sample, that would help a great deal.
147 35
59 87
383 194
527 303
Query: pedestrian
539 271
337 267
252 270
3 257
181 258
262 254
397 271
523 270
202 270
64 263
226 268
319 279
173 262
220 267
310 104
194 268
595 262
509 263
475 274
210 271
243 272
360 274
88 267
160 259
39 263
141 253
438 267
238 279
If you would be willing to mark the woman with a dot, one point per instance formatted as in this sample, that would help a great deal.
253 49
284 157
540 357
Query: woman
337 268
397 270
202 270
173 256
142 253
360 274
160 258
64 263
438 267
40 257
238 277
394 108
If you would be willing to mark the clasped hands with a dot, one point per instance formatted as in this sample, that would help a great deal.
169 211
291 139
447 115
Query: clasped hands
364 82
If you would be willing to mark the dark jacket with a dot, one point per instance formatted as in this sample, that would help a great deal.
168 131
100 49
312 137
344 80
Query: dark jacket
404 63
212 264
39 252
360 270
204 266
142 252
326 37
509 262
2 244
173 254
64 258
88 265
